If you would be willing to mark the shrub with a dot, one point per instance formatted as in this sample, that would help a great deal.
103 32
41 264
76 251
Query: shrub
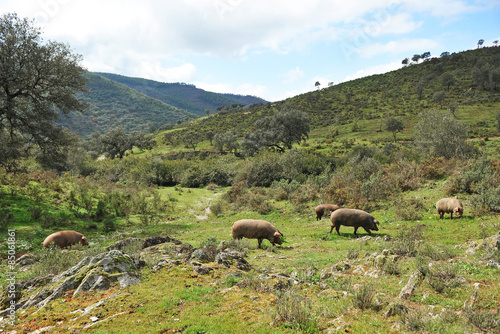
415 320
363 298
411 209
295 311
487 321
442 277
406 242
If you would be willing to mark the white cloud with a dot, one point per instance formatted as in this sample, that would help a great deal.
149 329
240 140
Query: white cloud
157 72
397 47
293 75
373 70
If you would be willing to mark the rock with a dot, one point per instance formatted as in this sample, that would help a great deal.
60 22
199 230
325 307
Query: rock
203 255
153 241
311 271
119 245
92 273
342 266
415 279
25 260
231 257
379 261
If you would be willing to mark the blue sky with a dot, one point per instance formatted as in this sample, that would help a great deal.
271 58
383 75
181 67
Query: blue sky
271 49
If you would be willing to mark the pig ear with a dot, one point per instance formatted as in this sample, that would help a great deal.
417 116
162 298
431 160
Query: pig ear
83 238
277 234
376 221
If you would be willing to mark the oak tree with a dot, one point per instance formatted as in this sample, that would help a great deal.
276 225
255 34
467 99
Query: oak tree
38 82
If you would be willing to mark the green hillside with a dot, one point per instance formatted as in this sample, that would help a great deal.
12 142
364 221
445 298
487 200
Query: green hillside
112 104
453 81
184 96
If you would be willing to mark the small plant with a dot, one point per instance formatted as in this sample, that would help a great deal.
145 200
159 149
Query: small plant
363 298
295 311
415 320
486 321
406 242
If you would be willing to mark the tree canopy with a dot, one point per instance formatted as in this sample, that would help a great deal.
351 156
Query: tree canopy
282 130
38 80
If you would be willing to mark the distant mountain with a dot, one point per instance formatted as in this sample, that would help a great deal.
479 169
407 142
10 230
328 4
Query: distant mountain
113 104
183 96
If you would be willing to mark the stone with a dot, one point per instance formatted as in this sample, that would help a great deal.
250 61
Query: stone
25 260
415 279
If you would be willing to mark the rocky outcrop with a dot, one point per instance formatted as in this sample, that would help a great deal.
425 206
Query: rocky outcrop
91 273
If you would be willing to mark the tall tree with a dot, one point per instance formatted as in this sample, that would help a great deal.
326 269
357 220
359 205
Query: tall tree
37 81
479 43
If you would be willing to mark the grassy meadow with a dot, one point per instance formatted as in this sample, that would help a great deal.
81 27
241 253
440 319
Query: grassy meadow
417 274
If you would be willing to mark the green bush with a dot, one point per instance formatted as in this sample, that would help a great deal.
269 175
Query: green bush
410 209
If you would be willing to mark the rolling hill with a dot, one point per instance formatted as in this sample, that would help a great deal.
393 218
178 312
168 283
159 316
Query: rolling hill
138 104
182 95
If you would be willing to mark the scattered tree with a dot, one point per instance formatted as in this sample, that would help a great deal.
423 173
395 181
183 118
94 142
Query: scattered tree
481 74
439 135
37 81
317 84
425 55
439 97
444 54
448 79
191 140
416 58
210 136
394 125
226 141
479 43
453 108
113 143
495 77
207 111
405 61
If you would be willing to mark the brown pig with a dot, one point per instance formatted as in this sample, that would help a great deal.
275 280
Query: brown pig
451 206
256 229
65 239
353 217
322 208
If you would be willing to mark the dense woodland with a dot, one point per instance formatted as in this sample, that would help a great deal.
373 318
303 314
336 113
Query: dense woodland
390 144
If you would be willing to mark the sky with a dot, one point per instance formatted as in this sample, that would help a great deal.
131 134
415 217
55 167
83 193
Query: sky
273 49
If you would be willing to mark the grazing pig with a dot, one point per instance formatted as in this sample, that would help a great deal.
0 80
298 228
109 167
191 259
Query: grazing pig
355 218
65 239
256 229
322 208
451 206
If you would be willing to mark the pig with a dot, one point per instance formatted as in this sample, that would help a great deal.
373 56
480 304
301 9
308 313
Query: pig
322 208
256 229
451 206
65 239
353 217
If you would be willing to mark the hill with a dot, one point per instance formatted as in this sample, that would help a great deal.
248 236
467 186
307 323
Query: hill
183 96
112 104
172 218
459 82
